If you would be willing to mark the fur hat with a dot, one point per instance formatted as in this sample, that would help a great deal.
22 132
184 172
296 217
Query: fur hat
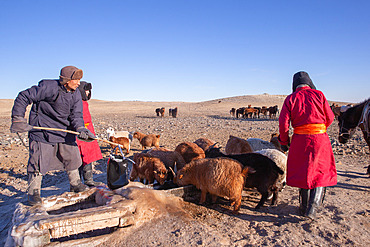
68 73
85 86
300 78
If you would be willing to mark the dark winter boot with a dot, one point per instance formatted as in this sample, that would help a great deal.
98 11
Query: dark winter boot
34 198
316 198
303 201
75 182
88 176
34 188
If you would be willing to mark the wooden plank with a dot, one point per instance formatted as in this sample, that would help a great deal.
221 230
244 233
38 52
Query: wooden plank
86 215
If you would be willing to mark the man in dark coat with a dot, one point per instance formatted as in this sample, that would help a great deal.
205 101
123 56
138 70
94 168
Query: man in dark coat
55 104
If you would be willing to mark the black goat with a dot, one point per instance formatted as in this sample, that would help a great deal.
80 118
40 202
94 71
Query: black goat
265 177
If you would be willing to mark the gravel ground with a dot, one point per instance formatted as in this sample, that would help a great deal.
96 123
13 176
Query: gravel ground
343 220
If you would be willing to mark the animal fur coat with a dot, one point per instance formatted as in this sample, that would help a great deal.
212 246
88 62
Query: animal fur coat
311 161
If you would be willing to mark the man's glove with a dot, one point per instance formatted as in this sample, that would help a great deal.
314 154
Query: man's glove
285 148
85 134
19 124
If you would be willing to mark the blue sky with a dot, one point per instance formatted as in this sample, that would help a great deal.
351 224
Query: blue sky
187 50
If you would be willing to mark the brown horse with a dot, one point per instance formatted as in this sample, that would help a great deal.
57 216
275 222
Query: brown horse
356 116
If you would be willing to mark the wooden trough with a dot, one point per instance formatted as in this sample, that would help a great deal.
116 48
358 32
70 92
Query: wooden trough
71 214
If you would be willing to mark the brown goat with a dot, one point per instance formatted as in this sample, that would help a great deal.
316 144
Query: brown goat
147 140
148 168
169 159
236 145
190 151
205 143
274 140
222 177
124 141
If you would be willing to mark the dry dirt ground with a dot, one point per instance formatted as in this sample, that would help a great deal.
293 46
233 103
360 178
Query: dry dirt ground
343 220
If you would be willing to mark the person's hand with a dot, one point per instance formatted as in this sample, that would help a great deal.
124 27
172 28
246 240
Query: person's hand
285 148
85 134
19 124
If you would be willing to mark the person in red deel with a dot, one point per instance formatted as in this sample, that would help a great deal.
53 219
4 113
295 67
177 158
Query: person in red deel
90 151
311 164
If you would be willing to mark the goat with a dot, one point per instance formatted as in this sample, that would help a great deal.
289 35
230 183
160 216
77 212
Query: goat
125 142
205 143
280 160
147 140
121 133
169 159
264 178
148 168
275 140
236 145
220 177
258 144
190 151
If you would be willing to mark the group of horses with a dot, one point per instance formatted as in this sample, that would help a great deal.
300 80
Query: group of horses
255 112
351 117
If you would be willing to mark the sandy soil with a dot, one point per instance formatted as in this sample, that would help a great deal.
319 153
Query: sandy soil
343 220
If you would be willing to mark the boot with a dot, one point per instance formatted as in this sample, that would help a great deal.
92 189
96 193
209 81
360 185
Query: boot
316 198
88 176
75 182
34 188
303 201
34 198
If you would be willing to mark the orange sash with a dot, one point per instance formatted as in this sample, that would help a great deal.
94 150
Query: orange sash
310 129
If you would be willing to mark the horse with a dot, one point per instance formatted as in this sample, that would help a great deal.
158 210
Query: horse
273 110
355 116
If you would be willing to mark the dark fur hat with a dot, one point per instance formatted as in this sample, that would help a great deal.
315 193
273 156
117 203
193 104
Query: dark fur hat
300 78
85 86
68 73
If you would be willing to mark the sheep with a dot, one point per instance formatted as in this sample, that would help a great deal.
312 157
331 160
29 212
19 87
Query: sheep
147 140
169 158
125 142
236 145
148 168
205 143
190 151
265 176
222 177
280 160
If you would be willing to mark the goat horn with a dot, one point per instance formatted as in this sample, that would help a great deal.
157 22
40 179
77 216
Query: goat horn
173 173
213 145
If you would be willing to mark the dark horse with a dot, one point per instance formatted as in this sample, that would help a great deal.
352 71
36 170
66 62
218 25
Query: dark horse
356 116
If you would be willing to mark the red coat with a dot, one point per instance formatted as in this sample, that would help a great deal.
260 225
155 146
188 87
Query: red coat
90 151
311 161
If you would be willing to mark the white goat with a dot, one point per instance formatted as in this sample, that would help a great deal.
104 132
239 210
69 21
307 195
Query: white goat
122 133
259 144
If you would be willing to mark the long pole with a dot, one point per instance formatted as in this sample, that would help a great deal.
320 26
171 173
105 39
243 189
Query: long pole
77 133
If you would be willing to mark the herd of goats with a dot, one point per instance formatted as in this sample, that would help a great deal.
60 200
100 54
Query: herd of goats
252 163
